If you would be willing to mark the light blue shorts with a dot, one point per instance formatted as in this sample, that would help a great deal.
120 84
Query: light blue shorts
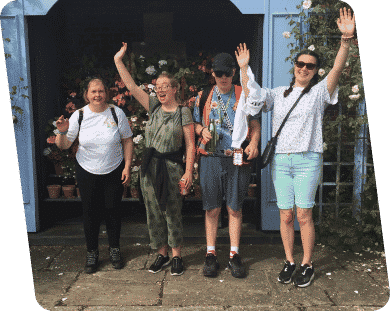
296 177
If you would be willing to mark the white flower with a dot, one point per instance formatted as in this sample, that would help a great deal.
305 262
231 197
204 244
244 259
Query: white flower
311 48
306 4
142 87
56 131
355 89
138 139
321 72
144 122
152 94
54 123
162 63
346 64
135 168
325 146
46 151
354 97
133 119
151 86
141 57
287 34
150 70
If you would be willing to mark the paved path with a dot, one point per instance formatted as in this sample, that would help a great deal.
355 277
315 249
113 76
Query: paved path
346 281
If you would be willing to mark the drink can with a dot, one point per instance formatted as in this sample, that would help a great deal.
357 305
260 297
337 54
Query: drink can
182 188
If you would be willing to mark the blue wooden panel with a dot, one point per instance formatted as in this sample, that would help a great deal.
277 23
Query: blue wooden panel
251 6
18 67
27 7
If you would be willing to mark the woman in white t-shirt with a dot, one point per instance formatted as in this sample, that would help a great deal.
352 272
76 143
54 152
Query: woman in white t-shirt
297 164
103 162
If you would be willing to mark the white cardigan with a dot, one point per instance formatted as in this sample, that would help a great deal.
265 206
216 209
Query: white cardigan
247 106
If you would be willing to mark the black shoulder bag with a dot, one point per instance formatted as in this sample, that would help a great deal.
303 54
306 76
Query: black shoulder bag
269 150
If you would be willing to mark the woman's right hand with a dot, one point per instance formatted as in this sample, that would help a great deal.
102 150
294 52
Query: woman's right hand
62 124
121 52
242 55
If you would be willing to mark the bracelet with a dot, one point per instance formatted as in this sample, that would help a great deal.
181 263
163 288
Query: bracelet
347 39
64 133
201 132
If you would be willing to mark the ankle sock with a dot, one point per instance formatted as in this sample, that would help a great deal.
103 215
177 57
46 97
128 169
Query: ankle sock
211 249
233 251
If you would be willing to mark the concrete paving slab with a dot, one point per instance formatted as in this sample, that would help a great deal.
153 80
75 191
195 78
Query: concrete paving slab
51 286
343 308
157 308
42 256
61 308
264 308
116 288
353 288
193 289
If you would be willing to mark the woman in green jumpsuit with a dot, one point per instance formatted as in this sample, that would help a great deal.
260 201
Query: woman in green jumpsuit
162 168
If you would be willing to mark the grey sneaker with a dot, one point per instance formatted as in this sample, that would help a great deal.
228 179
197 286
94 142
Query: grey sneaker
116 258
160 262
92 262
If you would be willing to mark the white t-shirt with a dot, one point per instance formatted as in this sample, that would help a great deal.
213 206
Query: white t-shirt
100 150
303 129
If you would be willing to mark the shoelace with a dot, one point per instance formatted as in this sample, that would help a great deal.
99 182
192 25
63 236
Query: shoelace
91 258
175 262
115 254
159 260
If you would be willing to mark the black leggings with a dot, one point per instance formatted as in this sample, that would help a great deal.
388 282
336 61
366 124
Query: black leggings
101 196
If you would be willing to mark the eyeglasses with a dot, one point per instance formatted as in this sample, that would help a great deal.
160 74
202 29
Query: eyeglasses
219 74
309 66
162 88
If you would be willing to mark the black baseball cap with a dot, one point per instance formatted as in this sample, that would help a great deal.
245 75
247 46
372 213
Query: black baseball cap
223 62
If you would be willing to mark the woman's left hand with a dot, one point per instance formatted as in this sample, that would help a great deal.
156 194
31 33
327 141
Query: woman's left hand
126 176
242 55
187 178
346 22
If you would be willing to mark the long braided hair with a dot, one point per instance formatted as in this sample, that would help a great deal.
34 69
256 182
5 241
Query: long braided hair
313 81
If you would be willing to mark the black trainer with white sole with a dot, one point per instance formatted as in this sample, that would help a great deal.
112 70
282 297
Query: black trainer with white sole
285 276
159 263
304 276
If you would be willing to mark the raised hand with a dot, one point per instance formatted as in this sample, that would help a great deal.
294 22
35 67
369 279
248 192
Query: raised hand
346 22
121 52
242 55
62 124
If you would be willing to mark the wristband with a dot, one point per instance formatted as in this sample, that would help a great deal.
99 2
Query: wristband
64 133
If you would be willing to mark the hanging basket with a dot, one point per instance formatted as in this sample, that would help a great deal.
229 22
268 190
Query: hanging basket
54 191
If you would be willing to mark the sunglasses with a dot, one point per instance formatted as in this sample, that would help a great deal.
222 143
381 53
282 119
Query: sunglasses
309 66
219 74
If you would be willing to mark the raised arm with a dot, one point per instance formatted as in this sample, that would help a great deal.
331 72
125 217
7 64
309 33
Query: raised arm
242 56
138 93
346 24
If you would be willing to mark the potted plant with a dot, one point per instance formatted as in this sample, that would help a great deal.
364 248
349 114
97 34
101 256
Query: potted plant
134 182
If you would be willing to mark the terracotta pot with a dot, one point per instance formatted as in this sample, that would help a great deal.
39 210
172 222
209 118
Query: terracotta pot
252 190
134 193
197 192
54 191
68 191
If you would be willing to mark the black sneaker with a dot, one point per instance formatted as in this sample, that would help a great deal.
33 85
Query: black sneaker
160 262
304 276
116 258
177 266
236 266
92 262
285 276
211 265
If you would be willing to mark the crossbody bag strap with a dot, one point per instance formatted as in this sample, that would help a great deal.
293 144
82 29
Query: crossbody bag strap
288 114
